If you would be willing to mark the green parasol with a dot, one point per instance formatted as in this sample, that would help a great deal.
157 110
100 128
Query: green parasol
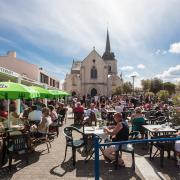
44 93
11 90
64 93
57 93
33 93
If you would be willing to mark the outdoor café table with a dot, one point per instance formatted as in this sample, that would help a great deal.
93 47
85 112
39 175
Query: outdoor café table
92 131
159 129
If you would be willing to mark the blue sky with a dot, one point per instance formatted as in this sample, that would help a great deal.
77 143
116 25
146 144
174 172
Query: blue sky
144 35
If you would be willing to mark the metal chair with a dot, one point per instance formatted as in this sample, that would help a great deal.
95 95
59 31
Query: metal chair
128 148
162 147
73 143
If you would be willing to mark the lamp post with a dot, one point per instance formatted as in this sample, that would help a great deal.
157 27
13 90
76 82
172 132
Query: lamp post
133 77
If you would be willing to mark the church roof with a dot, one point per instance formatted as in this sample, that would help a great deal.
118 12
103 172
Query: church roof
108 55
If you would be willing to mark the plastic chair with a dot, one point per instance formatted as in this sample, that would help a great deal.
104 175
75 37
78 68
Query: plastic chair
71 142
17 145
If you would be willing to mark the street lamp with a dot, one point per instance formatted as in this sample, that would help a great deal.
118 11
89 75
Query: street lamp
133 77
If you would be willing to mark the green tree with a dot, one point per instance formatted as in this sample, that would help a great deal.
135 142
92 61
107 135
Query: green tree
127 87
163 95
176 99
146 84
117 91
156 85
170 87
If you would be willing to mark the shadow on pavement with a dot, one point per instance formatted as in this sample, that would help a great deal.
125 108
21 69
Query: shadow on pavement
18 164
82 169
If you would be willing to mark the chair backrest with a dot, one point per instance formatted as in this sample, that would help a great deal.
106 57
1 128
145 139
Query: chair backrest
92 118
17 142
78 116
166 144
137 124
104 115
68 133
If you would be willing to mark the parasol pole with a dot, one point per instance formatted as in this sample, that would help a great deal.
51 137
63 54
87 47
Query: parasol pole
8 115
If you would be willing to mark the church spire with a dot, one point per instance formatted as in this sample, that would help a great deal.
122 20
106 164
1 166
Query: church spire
108 47
108 55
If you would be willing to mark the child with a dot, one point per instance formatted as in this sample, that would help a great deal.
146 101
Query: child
177 149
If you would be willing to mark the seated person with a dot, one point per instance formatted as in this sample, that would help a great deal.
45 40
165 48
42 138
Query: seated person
3 112
137 120
78 108
119 107
103 112
44 123
53 113
92 109
24 116
14 116
78 113
119 132
91 114
177 149
35 115
61 110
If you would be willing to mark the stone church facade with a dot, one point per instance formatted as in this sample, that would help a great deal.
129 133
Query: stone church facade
95 75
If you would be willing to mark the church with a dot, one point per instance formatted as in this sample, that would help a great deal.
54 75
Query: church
95 75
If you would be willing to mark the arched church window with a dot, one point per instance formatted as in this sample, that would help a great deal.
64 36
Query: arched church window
109 68
93 73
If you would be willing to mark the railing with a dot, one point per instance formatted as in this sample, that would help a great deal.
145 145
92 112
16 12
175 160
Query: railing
97 146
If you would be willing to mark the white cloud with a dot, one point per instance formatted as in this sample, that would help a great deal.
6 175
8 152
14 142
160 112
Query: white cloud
172 74
127 68
140 66
160 52
175 48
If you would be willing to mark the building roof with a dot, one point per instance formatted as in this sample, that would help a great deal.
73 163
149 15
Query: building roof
76 66
108 55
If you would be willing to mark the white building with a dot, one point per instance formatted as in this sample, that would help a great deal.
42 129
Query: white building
12 68
95 75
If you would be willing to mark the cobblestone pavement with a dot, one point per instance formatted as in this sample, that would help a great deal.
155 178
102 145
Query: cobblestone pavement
44 165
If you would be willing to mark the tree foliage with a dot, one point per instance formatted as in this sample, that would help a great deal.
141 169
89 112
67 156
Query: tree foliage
170 87
156 85
176 99
118 91
146 84
163 95
127 87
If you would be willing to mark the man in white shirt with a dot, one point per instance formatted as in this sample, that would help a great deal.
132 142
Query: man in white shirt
92 109
119 108
35 115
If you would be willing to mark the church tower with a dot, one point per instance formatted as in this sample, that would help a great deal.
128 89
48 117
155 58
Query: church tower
109 57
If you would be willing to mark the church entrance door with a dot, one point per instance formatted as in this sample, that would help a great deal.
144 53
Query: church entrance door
93 92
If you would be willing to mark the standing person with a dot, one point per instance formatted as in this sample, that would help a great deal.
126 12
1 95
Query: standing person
119 132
